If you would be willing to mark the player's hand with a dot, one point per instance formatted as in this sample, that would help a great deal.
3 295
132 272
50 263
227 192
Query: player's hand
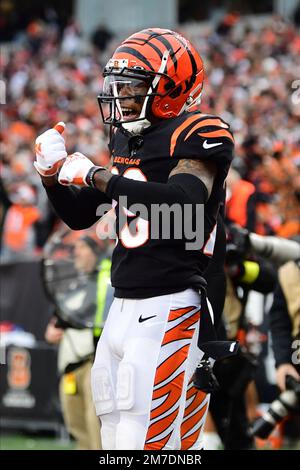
50 151
75 170
53 335
281 373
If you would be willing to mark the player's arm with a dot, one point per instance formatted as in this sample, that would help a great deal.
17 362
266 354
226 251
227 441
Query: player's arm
190 182
76 207
182 187
204 170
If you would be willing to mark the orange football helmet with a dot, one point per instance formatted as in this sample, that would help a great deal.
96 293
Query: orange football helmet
160 69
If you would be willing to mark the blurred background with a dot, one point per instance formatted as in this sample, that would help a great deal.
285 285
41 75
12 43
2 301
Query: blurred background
52 55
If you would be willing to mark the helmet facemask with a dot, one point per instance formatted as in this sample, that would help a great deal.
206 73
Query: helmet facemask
126 97
128 94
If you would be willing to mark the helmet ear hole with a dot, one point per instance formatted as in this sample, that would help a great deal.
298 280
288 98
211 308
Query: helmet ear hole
175 93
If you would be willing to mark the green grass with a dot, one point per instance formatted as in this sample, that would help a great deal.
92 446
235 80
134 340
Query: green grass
25 442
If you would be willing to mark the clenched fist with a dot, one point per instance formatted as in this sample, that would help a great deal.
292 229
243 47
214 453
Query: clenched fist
75 170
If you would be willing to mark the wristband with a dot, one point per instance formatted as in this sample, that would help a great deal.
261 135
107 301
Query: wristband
90 175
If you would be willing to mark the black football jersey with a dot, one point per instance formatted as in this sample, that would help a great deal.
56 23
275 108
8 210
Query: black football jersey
144 267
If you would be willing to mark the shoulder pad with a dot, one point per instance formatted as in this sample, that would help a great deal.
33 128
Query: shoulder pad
201 136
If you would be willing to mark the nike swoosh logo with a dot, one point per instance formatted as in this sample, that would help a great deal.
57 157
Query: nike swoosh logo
206 145
141 320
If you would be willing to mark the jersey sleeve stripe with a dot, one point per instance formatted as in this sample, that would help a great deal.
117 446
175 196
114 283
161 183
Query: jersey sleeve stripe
180 129
205 123
219 133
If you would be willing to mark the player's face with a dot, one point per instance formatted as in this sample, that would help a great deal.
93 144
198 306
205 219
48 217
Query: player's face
132 107
131 95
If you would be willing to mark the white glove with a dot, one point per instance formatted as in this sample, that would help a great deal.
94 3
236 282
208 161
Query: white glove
75 170
50 151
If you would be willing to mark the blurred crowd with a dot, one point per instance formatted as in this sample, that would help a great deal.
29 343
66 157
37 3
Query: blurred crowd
54 75
251 69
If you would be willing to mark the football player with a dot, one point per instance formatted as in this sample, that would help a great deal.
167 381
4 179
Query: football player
163 152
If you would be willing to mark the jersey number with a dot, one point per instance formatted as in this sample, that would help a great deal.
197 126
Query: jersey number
141 229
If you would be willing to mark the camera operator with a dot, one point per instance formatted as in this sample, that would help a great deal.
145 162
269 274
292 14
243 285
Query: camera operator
243 273
77 346
285 323
285 331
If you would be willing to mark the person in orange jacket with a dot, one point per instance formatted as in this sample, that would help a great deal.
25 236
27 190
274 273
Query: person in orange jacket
18 230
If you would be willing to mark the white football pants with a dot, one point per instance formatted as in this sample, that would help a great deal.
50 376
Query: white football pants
142 374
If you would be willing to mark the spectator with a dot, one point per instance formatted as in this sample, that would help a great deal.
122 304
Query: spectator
75 359
101 37
18 232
